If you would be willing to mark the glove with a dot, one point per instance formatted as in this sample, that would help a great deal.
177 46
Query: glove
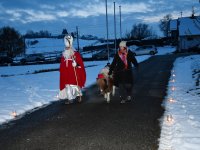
110 73
74 64
110 76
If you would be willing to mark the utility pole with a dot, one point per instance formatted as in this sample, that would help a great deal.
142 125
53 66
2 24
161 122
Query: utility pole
24 46
77 37
120 22
115 29
107 31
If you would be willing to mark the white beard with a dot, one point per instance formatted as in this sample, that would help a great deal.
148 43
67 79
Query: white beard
67 54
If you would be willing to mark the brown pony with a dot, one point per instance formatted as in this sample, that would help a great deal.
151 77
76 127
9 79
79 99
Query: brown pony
105 83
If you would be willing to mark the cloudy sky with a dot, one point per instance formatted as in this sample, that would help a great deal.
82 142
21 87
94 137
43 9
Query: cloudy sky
89 15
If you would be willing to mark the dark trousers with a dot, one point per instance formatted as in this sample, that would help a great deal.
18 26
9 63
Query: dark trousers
125 90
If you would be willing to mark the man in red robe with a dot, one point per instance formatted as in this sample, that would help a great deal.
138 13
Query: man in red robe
72 72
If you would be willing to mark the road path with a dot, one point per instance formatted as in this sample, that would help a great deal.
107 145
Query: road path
94 124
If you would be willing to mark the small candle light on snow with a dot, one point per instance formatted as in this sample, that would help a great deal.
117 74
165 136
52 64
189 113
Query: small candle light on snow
173 80
169 118
14 114
171 100
173 88
57 97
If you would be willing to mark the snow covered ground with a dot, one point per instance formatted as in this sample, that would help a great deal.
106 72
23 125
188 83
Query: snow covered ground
54 44
21 91
181 121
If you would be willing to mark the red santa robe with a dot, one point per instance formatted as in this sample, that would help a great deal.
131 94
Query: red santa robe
72 79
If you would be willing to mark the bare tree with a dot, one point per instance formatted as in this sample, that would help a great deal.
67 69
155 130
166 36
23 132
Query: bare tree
40 34
64 32
11 41
128 35
164 24
140 31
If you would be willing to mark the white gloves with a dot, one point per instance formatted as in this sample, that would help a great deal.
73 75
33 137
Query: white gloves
74 64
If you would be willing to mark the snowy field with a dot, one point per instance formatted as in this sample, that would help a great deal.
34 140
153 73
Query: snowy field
21 91
54 44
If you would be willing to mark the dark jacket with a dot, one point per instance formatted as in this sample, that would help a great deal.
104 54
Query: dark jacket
120 73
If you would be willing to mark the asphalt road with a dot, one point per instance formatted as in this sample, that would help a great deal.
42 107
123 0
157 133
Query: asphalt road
94 124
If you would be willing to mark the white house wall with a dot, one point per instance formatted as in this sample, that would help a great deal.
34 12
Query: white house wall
185 44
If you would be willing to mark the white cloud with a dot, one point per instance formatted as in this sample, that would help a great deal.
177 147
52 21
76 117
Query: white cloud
47 7
62 14
40 16
150 19
96 9
84 12
136 8
29 15
81 13
91 9
156 2
14 13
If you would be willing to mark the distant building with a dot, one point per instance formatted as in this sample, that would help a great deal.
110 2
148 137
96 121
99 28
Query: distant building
186 31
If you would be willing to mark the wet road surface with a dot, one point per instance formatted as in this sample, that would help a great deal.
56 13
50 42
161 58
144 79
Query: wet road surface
94 124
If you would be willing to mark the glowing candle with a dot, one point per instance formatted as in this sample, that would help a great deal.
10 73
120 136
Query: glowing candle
14 114
173 88
169 118
171 100
173 80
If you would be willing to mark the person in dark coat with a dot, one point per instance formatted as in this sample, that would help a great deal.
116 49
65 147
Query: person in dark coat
121 68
